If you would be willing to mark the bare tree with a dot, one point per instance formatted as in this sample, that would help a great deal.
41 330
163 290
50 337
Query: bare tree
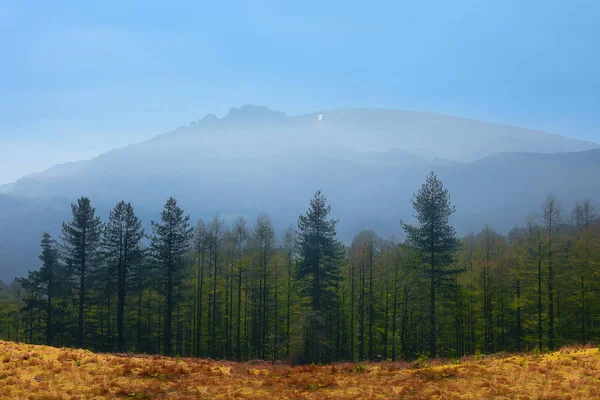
550 221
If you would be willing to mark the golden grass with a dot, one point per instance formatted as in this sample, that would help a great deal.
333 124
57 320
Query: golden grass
40 372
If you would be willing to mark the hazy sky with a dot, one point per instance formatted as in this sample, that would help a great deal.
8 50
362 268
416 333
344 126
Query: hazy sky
78 78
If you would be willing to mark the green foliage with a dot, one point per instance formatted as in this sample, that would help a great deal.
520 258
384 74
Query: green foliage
81 242
318 274
235 292
169 245
435 240
360 368
422 361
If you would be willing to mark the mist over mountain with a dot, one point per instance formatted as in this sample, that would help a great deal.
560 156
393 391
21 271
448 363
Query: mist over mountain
367 162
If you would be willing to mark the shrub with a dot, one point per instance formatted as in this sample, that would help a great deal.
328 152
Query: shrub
421 361
360 368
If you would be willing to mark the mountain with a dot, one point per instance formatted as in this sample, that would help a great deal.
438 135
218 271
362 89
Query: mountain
367 162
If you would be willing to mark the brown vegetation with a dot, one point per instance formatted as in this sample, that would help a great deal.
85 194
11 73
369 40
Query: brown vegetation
40 372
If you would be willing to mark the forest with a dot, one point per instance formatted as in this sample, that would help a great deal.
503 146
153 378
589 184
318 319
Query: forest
238 290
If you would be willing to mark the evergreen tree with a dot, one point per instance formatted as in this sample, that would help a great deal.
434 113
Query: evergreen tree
81 241
169 244
50 280
435 239
318 273
123 247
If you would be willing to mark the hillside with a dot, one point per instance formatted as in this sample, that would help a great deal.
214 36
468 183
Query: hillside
367 162
36 372
501 190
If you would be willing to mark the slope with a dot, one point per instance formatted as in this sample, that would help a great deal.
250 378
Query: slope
258 160
29 371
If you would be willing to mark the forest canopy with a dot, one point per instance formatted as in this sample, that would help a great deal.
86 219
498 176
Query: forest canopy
239 290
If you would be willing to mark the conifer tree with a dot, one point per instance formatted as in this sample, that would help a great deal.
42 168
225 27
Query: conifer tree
49 275
169 244
318 272
122 243
435 239
81 241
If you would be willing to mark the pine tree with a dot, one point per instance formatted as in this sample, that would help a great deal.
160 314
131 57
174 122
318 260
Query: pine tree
123 247
318 272
435 239
169 244
81 241
50 279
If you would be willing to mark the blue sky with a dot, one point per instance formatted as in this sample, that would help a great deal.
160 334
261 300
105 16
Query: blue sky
78 78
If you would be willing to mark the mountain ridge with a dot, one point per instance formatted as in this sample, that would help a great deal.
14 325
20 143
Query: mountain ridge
253 113
248 165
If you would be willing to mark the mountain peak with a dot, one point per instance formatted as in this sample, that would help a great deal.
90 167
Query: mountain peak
254 112
210 118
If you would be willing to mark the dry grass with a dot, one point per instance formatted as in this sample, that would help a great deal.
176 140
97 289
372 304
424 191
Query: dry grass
39 372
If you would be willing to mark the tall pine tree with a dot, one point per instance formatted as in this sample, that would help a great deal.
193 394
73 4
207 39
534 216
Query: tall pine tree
435 239
123 246
320 253
81 238
49 276
169 244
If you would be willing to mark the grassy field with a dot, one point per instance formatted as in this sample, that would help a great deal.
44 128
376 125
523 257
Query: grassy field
39 372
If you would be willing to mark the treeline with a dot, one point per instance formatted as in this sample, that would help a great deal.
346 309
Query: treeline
235 291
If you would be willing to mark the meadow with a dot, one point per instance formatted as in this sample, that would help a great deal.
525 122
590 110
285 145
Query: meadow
41 372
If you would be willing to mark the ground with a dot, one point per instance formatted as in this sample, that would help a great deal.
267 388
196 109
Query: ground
40 372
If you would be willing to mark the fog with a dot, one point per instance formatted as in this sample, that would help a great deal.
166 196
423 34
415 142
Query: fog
367 162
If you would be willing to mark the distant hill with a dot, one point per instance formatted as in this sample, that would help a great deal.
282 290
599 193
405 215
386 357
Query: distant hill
367 162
